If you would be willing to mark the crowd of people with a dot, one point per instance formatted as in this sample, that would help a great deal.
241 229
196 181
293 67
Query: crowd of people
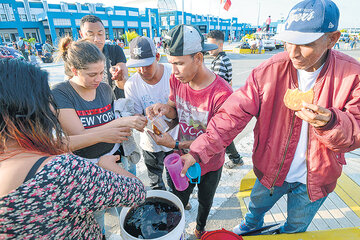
67 154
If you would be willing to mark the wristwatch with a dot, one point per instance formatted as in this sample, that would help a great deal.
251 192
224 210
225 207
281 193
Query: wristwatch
177 145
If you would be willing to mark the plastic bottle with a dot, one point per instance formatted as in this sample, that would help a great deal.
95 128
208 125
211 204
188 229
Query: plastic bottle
174 165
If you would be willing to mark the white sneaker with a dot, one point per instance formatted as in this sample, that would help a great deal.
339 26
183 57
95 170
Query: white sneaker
241 228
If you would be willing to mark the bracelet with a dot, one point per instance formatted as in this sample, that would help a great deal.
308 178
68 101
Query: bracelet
177 145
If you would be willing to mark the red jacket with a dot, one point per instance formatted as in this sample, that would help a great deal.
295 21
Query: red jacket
277 130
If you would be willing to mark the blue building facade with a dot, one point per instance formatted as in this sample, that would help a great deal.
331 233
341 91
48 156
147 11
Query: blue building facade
43 21
230 27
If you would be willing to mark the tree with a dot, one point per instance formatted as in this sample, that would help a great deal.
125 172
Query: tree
130 36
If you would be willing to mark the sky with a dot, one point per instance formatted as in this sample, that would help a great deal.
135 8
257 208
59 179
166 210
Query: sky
247 11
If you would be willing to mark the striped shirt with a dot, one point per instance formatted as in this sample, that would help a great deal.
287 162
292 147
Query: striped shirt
221 65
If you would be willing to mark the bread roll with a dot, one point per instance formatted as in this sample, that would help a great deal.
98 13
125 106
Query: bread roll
294 97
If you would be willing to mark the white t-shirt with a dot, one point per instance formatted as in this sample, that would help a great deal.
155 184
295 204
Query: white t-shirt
144 95
298 170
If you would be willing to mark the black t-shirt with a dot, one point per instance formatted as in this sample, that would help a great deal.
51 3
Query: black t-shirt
114 54
91 113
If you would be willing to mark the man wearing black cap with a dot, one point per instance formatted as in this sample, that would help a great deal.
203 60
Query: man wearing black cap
149 85
298 149
196 93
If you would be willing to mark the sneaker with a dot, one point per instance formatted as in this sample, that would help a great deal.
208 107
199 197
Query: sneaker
188 206
230 164
198 234
242 228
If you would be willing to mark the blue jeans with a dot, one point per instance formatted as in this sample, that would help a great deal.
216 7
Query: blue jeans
128 166
300 210
100 215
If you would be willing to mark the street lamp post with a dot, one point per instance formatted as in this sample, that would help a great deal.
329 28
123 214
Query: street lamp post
183 15
258 13
150 24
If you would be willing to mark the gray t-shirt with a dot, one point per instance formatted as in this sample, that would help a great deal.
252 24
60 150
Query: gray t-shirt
91 113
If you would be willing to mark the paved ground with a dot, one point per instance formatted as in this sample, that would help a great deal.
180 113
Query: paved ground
226 209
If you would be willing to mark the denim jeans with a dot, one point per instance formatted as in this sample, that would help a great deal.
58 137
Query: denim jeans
300 210
100 215
128 166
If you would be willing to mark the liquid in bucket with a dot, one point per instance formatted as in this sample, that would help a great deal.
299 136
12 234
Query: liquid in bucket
155 218
174 165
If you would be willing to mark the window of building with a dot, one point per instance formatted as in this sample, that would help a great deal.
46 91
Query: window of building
118 32
132 13
23 17
62 22
33 17
14 36
188 20
12 17
172 20
1 37
120 12
6 9
163 21
107 33
6 37
180 19
34 35
116 23
3 17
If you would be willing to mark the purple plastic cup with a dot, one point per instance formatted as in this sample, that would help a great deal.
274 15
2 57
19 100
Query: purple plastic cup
174 165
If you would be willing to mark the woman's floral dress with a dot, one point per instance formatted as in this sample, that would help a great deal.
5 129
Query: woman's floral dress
59 201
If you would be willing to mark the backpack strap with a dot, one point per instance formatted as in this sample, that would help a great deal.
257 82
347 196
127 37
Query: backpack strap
34 168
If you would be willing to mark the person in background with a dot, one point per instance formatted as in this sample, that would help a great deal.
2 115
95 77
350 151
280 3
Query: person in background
268 22
196 93
86 105
253 45
48 48
46 193
298 153
115 71
221 65
259 44
23 48
33 60
15 46
38 48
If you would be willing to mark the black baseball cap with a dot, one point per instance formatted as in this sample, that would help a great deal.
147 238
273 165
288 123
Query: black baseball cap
142 52
185 40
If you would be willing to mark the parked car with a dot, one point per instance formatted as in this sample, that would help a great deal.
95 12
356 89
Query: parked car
268 41
278 43
8 52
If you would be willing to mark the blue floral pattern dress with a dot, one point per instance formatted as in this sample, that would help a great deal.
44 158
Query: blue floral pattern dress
59 201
